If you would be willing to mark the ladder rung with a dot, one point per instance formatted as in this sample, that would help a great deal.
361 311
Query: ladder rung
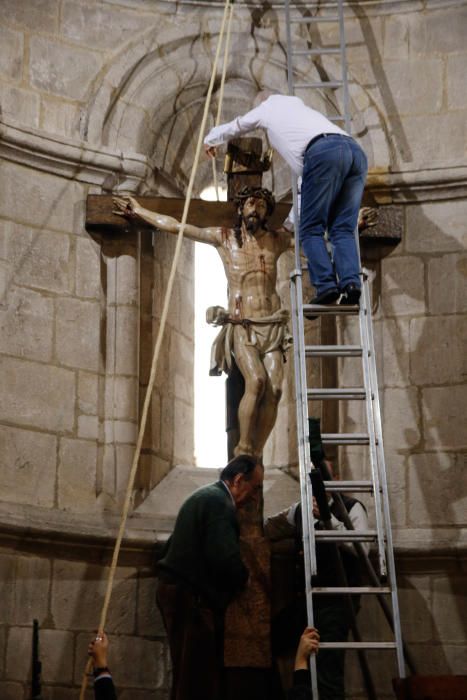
333 350
350 394
357 645
315 52
353 590
309 20
326 84
331 309
346 535
345 439
354 486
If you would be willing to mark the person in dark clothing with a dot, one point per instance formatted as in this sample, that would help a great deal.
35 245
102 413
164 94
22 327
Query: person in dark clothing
104 688
331 612
308 644
200 572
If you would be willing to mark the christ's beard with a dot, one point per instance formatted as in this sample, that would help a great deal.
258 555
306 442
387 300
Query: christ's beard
253 223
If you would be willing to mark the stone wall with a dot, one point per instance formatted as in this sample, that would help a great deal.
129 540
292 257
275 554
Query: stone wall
106 97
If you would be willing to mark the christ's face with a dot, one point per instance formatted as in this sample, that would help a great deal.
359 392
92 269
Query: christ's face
254 214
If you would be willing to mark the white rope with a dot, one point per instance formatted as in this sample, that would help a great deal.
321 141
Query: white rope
152 377
221 94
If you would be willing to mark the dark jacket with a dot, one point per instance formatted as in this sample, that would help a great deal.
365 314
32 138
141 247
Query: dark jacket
203 550
301 689
104 689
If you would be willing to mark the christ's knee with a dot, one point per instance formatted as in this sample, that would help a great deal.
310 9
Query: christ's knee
255 386
276 391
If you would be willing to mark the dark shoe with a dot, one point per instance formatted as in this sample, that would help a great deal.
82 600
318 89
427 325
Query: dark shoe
351 295
327 297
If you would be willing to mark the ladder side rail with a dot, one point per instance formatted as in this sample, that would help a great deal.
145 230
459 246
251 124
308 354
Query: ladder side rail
340 9
367 357
384 487
309 547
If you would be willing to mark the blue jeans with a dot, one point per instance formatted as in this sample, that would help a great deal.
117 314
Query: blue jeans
334 173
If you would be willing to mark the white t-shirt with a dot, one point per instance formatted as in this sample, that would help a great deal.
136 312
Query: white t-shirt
290 125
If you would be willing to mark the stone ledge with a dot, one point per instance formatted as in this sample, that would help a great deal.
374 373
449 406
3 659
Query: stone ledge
92 535
424 184
71 159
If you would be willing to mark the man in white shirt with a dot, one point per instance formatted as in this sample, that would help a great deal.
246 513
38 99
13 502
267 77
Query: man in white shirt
333 169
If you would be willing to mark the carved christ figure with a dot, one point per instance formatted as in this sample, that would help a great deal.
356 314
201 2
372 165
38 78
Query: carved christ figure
254 327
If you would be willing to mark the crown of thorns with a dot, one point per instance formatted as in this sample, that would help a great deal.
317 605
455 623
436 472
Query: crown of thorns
257 193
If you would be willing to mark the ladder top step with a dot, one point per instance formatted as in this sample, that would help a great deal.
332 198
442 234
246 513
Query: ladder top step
333 350
315 19
345 438
346 535
354 590
320 51
338 486
330 309
356 393
357 645
325 84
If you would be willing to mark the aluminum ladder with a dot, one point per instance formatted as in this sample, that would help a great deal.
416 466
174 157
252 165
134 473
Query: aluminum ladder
384 583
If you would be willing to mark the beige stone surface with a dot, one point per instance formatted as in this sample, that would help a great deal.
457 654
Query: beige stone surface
56 655
437 350
78 67
77 474
43 202
77 334
401 419
39 15
435 495
88 388
59 117
457 98
28 466
122 274
450 608
416 602
37 395
421 91
27 325
18 658
413 136
77 597
442 408
148 618
19 105
12 691
88 427
436 227
402 286
439 31
102 26
88 268
394 353
447 284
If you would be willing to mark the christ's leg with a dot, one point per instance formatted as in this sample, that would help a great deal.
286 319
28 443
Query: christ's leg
249 363
267 411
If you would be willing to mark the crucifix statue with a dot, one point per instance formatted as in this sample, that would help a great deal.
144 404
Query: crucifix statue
254 333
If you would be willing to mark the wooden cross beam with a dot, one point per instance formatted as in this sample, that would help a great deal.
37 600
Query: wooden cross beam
99 217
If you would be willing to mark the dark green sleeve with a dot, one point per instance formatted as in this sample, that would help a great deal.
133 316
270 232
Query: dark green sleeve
222 549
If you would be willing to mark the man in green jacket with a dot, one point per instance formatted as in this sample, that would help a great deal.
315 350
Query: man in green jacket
200 572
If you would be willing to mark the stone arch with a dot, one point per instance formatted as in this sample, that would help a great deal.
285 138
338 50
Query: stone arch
151 99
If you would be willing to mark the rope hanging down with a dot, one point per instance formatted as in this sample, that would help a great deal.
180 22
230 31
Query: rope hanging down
221 94
152 377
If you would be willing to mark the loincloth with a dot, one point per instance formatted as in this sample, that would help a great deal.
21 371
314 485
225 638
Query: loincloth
266 334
